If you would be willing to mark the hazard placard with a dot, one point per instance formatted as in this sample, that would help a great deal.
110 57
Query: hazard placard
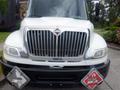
92 79
18 78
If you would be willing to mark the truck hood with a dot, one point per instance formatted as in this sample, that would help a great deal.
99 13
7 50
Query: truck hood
56 22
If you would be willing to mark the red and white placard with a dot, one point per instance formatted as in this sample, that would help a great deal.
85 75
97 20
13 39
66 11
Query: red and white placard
92 79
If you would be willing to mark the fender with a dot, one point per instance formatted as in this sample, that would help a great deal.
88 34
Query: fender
15 39
96 43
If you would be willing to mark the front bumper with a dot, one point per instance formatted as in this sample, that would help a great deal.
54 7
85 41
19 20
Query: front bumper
44 75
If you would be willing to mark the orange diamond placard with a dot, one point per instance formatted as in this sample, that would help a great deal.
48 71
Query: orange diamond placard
92 79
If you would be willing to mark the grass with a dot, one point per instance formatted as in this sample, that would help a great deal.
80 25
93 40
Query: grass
3 36
1 73
1 53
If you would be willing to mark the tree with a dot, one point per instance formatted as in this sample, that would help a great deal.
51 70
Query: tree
90 9
3 6
114 9
3 9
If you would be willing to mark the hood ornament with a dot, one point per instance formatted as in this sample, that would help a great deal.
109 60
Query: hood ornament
57 32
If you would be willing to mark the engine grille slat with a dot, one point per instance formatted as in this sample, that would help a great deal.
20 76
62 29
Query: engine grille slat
33 42
46 43
80 43
69 39
74 47
40 40
29 44
83 44
77 46
37 34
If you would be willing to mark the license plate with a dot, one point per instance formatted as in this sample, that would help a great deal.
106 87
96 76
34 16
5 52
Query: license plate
18 78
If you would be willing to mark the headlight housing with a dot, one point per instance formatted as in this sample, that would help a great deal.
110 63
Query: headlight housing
96 54
100 53
14 51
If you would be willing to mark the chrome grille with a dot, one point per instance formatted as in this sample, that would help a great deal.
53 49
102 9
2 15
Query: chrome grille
45 43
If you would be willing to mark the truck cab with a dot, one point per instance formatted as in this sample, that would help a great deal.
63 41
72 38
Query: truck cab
56 44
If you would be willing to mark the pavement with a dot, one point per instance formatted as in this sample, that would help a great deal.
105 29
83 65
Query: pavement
112 82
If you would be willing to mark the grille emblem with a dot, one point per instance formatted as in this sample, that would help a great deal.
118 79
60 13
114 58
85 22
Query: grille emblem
57 32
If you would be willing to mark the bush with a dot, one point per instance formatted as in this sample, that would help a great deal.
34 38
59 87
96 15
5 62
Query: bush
1 53
117 22
3 36
1 72
110 34
3 6
118 35
112 28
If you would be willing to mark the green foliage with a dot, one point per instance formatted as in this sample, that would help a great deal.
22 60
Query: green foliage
110 34
111 28
3 6
1 53
3 36
90 9
117 22
1 71
114 10
118 35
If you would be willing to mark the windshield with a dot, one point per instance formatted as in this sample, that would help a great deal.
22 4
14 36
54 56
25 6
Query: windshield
58 8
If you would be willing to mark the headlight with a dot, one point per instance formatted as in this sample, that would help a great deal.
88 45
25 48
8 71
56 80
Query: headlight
95 54
100 53
14 51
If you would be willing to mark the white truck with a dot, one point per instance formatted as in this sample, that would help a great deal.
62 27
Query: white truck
56 44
